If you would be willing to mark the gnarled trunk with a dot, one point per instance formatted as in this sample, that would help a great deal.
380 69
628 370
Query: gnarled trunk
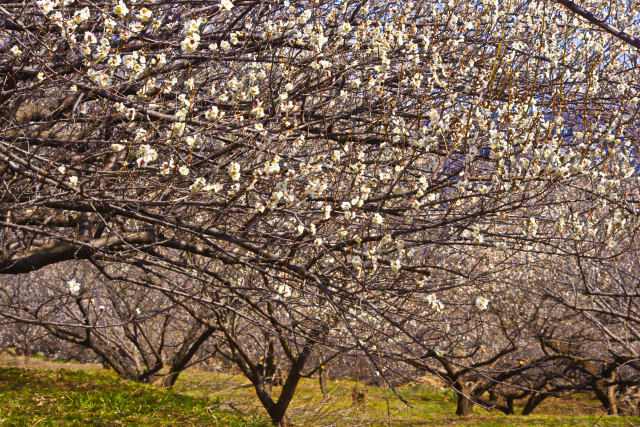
606 393
464 406
533 402
190 346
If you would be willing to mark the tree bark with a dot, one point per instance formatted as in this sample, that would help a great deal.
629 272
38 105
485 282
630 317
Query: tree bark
464 406
54 252
322 379
533 402
606 394
190 346
509 402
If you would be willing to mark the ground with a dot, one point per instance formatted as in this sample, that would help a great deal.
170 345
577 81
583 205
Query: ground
48 393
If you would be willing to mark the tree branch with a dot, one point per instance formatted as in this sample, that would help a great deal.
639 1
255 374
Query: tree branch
627 38
34 259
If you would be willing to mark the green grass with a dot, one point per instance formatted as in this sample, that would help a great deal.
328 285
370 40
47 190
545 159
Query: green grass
430 405
60 397
99 397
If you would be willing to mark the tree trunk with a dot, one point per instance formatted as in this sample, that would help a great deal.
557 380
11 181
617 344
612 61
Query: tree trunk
190 346
322 379
170 378
611 395
278 417
606 394
276 413
464 406
533 402
284 421
290 384
509 402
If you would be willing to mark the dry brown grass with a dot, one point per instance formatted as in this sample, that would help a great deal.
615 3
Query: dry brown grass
24 362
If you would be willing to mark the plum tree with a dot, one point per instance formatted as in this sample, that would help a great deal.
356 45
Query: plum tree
370 163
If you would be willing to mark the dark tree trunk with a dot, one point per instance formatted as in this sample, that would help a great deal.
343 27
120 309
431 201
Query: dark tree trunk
464 406
507 408
606 395
509 405
284 421
190 346
322 379
533 402
276 412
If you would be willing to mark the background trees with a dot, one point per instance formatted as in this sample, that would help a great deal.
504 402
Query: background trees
137 332
410 181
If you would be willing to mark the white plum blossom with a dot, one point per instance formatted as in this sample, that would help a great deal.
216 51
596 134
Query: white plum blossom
327 211
272 166
90 38
191 140
226 5
502 246
482 303
144 14
190 43
121 9
435 303
115 61
284 290
213 188
356 261
146 156
234 171
212 113
198 184
47 5
344 28
258 111
130 114
74 286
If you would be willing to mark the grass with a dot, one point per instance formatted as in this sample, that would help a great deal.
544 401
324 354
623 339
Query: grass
98 397
62 397
430 405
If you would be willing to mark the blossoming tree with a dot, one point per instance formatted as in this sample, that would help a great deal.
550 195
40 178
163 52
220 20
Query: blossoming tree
379 161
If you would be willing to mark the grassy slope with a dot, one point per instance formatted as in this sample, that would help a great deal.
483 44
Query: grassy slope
98 397
63 397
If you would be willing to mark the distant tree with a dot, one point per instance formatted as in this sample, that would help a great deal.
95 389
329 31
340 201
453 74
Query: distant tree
134 330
